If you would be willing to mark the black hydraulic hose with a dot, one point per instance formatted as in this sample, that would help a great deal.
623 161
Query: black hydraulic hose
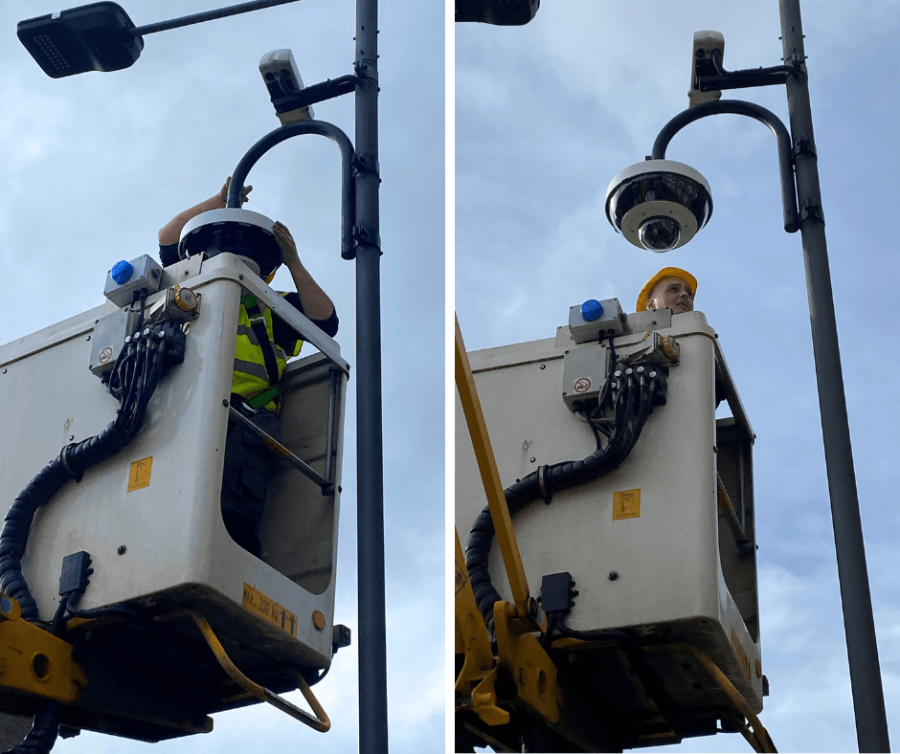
43 733
59 624
626 431
75 459
120 611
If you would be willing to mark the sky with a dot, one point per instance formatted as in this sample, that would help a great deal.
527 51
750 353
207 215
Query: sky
548 113
95 164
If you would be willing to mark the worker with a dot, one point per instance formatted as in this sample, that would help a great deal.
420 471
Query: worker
670 287
675 289
246 473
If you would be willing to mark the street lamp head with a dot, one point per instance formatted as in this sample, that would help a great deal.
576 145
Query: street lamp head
95 37
658 204
497 12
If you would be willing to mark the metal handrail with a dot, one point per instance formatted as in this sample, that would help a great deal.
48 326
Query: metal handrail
318 720
282 452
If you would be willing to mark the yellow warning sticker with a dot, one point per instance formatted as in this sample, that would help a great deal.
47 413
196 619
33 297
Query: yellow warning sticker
626 504
139 476
256 602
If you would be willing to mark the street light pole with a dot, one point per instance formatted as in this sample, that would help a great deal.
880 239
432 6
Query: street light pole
862 651
104 38
373 738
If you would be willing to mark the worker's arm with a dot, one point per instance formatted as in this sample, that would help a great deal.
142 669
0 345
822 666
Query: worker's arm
316 303
170 233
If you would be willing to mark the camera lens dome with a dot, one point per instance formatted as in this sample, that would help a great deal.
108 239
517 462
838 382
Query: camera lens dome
658 204
659 234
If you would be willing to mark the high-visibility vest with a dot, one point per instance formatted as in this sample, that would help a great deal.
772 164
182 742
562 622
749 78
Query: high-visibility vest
250 378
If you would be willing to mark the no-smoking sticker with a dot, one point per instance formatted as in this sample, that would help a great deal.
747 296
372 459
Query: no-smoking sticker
582 385
105 355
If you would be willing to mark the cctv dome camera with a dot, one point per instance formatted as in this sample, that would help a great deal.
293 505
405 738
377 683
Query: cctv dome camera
238 231
658 204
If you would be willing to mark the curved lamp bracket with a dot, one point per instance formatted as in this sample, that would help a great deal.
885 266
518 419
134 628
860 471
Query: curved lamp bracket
740 107
320 128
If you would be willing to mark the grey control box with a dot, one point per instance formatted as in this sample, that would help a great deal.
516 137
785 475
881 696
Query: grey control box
108 339
145 273
584 372
610 321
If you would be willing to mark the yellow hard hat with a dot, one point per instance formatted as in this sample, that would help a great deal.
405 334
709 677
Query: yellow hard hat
666 272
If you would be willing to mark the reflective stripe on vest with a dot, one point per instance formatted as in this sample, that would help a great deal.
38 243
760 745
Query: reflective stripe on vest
249 377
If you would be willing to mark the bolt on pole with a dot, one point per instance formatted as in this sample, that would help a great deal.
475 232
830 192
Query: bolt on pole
859 625
373 735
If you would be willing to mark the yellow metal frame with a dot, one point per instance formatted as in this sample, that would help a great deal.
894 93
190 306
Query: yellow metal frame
490 478
34 661
528 663
758 737
479 672
518 652
317 721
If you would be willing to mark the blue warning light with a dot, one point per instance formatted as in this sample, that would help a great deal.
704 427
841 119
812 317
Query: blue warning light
122 271
591 310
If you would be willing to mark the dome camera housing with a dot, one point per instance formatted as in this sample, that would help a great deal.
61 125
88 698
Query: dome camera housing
237 231
658 204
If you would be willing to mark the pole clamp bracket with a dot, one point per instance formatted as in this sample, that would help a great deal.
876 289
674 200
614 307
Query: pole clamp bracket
366 68
366 236
366 164
812 210
804 145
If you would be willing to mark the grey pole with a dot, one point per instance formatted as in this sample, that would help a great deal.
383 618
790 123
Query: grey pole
859 625
373 736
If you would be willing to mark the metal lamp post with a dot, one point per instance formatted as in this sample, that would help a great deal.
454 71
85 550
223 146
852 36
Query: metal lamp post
862 650
101 37
802 205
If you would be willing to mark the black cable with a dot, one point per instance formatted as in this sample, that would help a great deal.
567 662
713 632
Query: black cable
133 381
43 733
59 624
546 638
121 611
143 297
627 426
595 430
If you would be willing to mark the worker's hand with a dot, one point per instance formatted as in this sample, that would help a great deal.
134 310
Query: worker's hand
223 194
286 243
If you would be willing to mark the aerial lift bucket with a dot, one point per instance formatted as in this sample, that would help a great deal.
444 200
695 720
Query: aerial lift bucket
660 640
177 620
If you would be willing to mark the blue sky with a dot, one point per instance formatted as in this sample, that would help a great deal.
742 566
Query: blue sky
94 165
548 113
545 115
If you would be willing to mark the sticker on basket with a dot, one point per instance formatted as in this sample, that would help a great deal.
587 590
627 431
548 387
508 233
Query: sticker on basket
626 504
740 653
139 475
461 578
256 602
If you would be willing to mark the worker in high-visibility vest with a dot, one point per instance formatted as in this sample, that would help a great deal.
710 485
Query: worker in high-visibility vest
263 346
